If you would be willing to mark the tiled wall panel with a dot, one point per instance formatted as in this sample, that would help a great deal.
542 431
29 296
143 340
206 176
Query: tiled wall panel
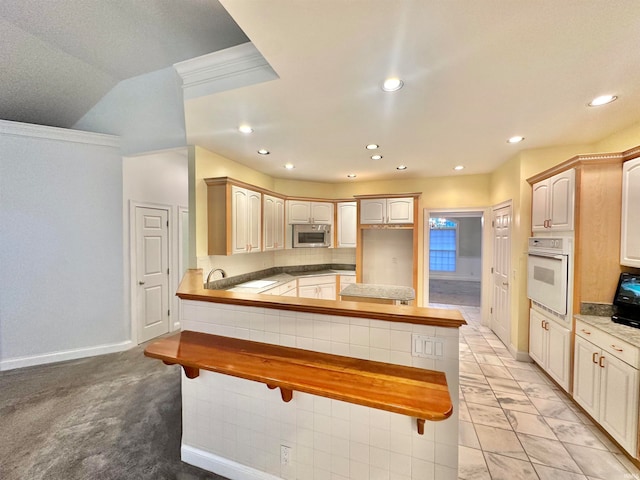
247 423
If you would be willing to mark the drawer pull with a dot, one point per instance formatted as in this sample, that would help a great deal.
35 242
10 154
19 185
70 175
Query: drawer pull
586 332
600 362
617 349
593 357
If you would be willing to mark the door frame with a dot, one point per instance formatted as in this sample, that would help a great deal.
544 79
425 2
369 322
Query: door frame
133 291
486 252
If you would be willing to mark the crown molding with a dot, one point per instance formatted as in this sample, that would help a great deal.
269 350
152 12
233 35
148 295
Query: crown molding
55 133
226 69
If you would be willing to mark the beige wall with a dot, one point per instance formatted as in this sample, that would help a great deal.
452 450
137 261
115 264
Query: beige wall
508 183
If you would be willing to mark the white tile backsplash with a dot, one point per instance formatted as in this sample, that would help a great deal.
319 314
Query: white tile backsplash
246 422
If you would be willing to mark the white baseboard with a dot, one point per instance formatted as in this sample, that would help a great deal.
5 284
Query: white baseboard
20 362
222 466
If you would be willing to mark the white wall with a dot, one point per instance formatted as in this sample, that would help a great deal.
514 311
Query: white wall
61 255
156 179
147 112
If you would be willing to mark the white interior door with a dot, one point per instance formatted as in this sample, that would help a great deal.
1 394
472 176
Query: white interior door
500 317
152 270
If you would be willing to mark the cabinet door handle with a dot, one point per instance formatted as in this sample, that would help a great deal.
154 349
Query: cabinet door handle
140 283
546 325
593 357
541 323
586 332
601 362
617 349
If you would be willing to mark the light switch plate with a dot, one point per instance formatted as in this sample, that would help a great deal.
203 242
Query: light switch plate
427 347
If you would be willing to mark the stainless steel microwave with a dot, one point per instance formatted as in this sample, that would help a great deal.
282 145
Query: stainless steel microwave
311 235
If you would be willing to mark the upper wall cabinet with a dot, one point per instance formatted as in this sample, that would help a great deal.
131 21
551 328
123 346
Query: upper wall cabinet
630 228
552 203
273 223
347 228
302 211
386 211
234 217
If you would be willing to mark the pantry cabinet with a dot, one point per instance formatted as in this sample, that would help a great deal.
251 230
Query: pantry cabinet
630 227
386 211
274 223
605 384
550 347
234 214
552 203
347 227
301 211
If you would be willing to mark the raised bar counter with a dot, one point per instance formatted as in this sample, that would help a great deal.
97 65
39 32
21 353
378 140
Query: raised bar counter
341 368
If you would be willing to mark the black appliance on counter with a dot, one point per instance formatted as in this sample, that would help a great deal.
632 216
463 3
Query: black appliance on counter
627 300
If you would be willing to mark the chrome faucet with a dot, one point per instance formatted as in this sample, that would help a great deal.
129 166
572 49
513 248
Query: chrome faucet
222 272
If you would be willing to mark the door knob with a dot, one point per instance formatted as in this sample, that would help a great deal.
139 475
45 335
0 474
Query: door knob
140 283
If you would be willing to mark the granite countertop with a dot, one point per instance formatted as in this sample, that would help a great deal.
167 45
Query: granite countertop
623 332
279 276
392 292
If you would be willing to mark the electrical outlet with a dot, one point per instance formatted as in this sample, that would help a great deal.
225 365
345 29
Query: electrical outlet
285 455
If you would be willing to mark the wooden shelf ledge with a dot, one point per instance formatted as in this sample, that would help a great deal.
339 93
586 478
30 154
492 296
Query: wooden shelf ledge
415 392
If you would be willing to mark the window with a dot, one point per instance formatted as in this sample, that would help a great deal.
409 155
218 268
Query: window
442 245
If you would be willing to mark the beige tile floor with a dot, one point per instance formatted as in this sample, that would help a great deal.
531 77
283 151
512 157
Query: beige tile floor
515 424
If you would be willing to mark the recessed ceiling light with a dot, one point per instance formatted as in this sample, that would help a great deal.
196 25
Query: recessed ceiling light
245 128
602 100
376 157
289 166
459 167
372 146
392 84
263 151
516 139
351 175
401 167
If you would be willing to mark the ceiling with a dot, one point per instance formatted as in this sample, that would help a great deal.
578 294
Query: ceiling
475 73
60 57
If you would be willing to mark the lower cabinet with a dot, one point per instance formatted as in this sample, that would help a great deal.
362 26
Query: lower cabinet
322 286
605 385
550 347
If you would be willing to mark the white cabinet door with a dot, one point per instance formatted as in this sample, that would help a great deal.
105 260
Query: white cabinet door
539 209
239 222
552 203
619 400
536 337
630 235
386 210
347 224
308 291
322 212
246 220
327 291
254 221
586 376
558 353
299 212
561 194
310 212
550 347
373 211
400 210
273 228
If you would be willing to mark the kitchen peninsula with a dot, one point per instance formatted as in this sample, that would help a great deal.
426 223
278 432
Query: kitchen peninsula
240 429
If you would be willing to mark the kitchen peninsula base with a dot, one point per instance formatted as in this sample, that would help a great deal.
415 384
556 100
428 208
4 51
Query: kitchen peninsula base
239 428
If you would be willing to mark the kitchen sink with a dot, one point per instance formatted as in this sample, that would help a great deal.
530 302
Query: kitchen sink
257 284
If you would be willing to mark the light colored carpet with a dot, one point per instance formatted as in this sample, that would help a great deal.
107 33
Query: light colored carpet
114 417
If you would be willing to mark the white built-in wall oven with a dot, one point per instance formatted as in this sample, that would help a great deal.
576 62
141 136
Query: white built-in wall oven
549 274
